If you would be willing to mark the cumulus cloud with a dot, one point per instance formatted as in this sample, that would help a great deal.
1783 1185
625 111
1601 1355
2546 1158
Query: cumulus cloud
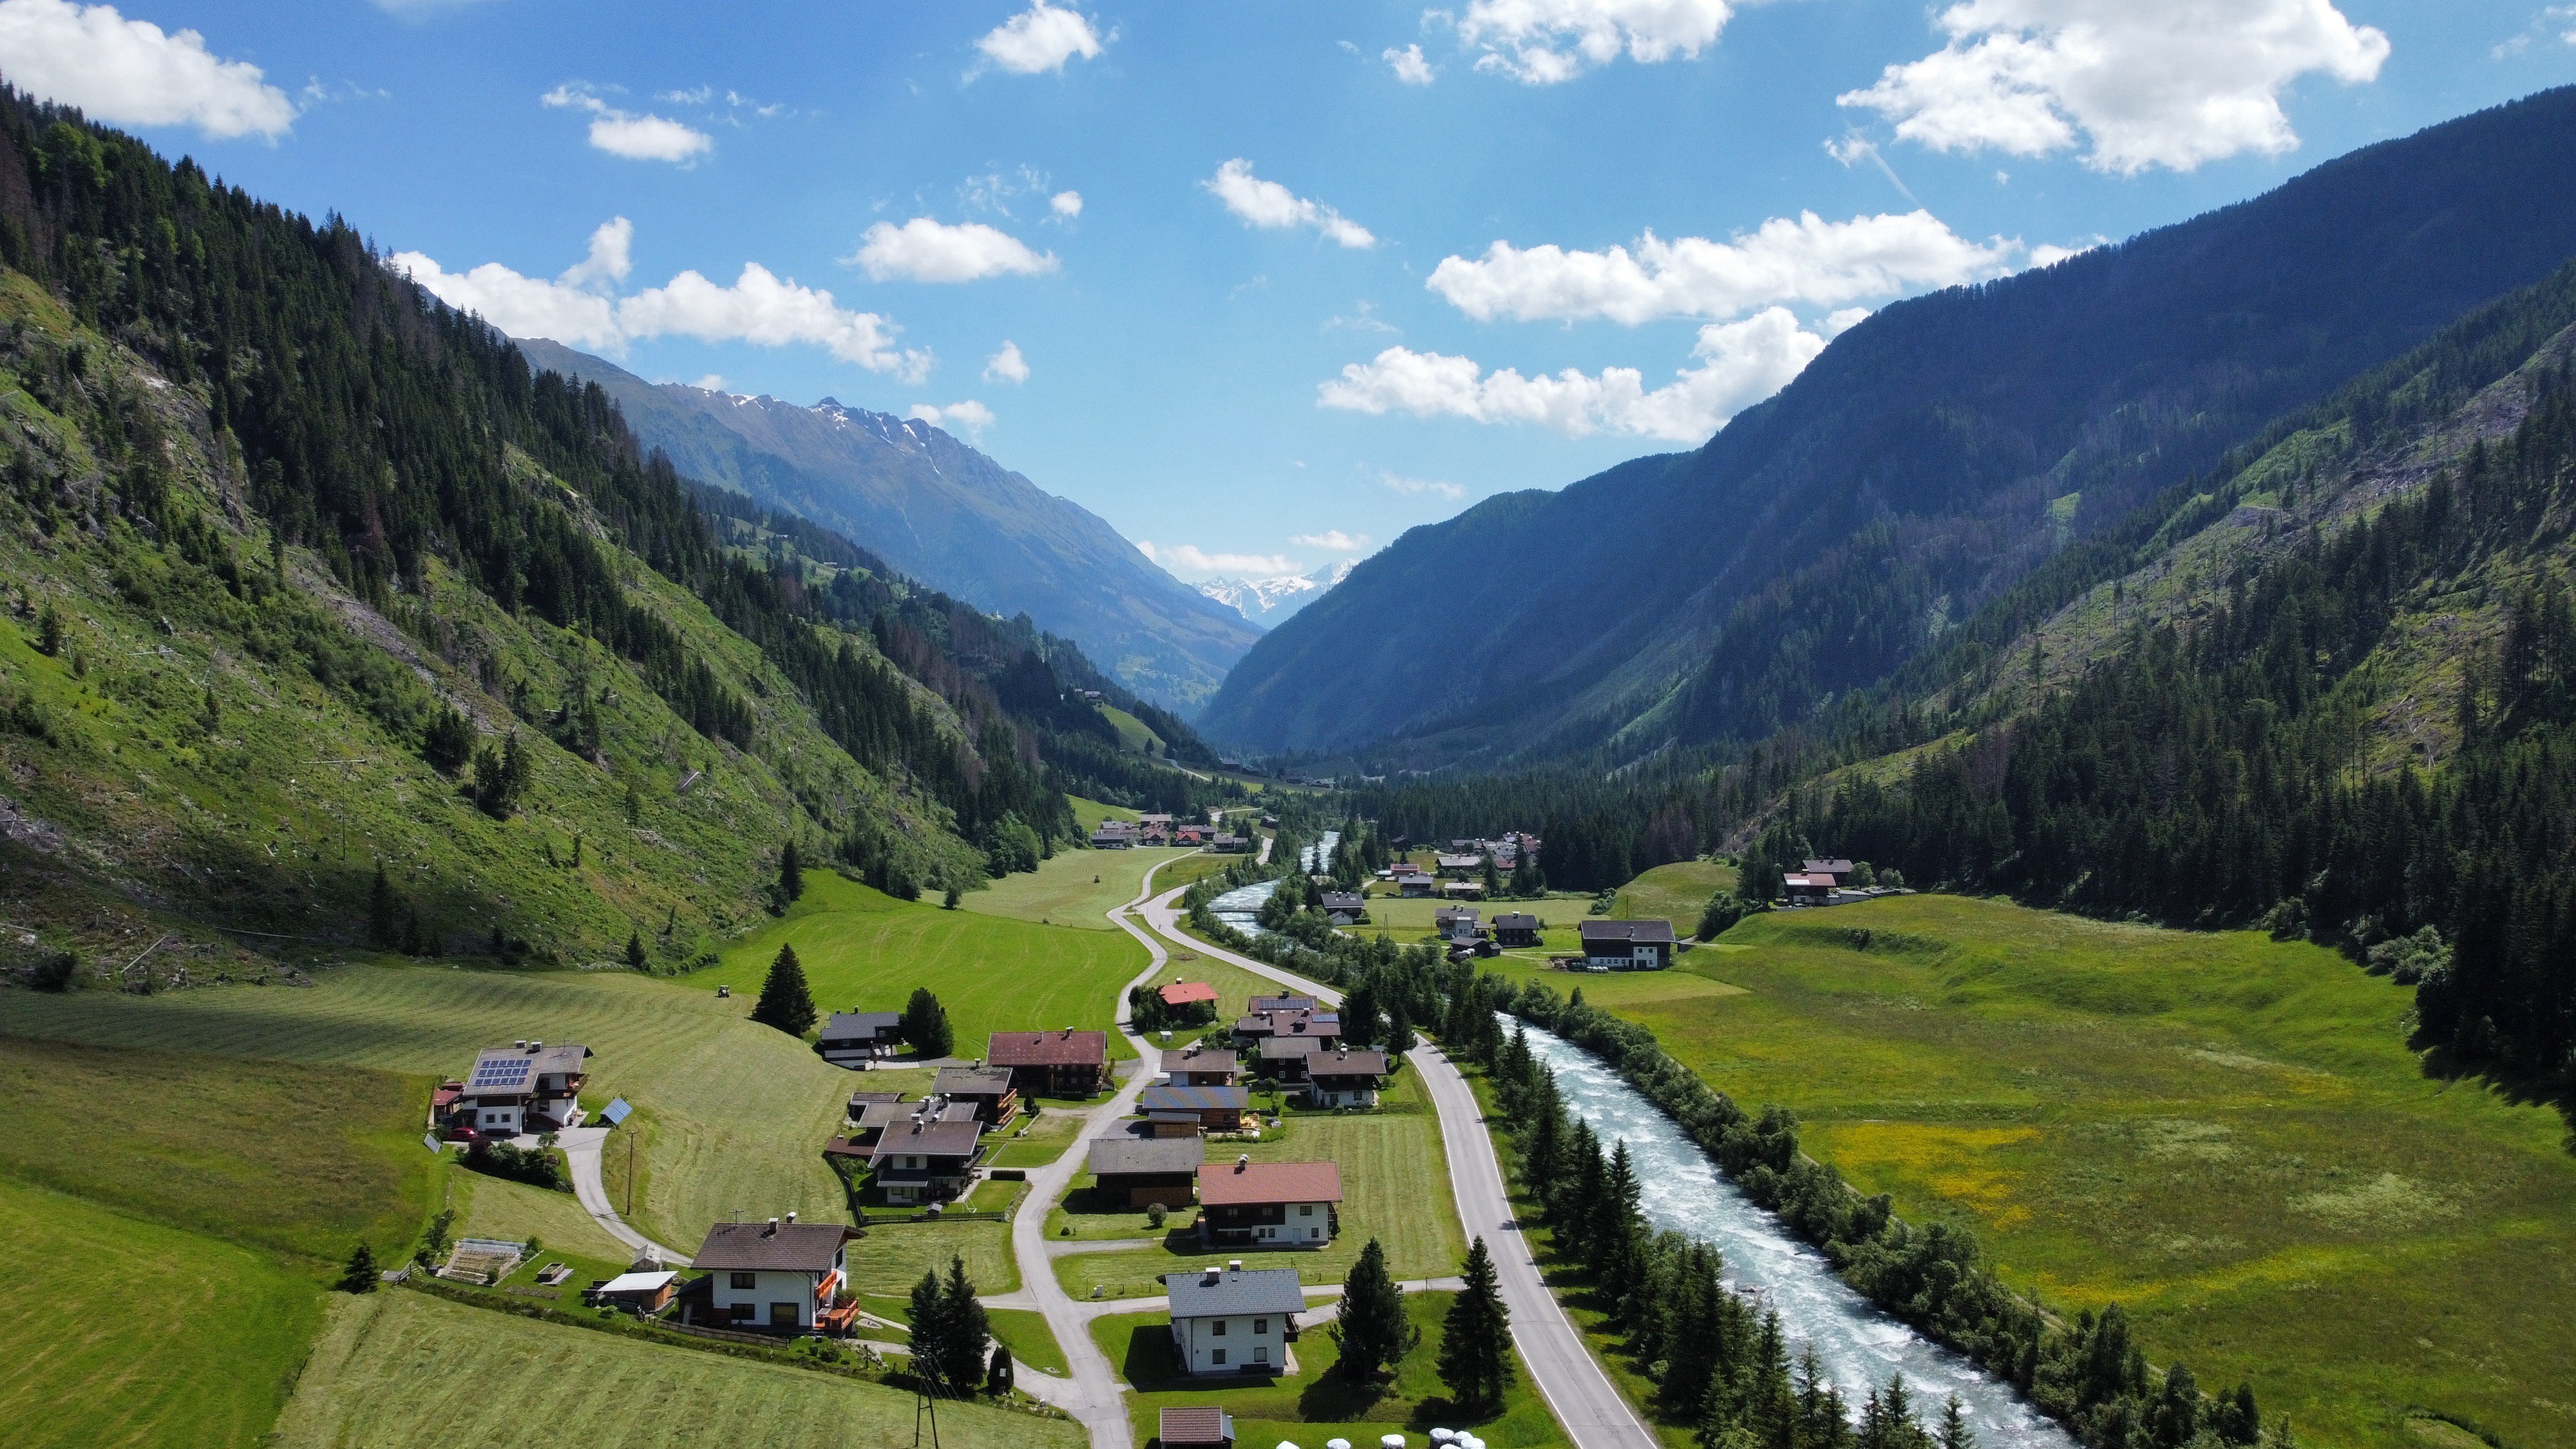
712 382
637 138
1040 38
1543 42
1741 363
1409 66
2170 85
922 250
1190 558
1333 540
1810 260
134 73
1268 204
1007 365
969 417
1066 204
582 309
1417 487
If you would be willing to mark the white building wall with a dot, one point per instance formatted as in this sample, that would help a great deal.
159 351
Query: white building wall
769 1286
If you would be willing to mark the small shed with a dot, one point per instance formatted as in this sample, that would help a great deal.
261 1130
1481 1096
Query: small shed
1200 1426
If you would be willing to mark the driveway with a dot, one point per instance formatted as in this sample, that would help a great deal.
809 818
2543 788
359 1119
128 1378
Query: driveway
581 1150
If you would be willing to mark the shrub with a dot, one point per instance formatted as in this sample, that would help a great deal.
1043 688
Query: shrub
1156 1213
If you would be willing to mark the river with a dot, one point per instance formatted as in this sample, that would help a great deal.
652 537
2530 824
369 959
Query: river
1857 1345
1241 907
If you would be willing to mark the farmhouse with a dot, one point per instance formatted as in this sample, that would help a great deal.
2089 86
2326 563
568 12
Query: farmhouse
1260 1004
1461 864
1345 908
1835 866
995 1099
854 1038
1457 923
1516 928
1114 835
1066 1063
1416 887
1154 829
1190 834
1304 1025
1229 843
1628 945
1195 1066
1283 1058
1807 888
1344 1078
779 1276
1274 1204
1200 1426
1218 1109
526 1086
929 1157
1194 1000
1232 1321
1142 1171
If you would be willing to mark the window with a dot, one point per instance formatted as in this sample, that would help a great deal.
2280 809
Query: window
1260 1326
1260 1355
1217 1357
1305 1210
782 1315
1217 1329
744 1282
741 1312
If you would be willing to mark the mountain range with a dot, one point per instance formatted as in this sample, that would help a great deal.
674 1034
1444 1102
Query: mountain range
1931 458
1267 602
942 513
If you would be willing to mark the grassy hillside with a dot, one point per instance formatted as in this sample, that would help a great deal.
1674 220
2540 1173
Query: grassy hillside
1676 892
392 1370
2222 1132
1075 888
864 949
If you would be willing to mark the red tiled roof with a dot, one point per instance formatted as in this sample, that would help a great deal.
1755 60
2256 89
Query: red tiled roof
1182 993
1048 1049
1229 1184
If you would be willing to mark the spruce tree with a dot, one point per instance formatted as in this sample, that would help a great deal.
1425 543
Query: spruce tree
930 1331
358 1275
1616 1226
635 957
791 876
381 921
1372 1330
1476 1341
1493 881
49 631
925 1025
1954 1432
1399 1032
998 1377
785 1003
965 1330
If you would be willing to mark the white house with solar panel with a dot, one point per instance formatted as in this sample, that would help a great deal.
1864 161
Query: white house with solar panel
526 1086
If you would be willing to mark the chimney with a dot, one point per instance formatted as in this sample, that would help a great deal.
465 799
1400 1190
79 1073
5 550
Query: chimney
772 1230
1243 1162
1210 1279
521 1044
791 1220
536 1046
1234 1265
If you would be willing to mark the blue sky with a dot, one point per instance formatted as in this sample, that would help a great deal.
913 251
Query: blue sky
1310 239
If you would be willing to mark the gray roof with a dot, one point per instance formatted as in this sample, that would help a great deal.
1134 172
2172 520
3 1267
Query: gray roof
782 1247
1517 921
1279 1048
1347 1064
1344 901
1186 1059
971 1082
930 1139
512 1071
1228 1292
1635 932
860 1023
1193 1099
1113 1155
1260 1004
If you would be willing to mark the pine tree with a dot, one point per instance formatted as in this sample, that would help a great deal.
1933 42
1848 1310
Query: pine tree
1525 883
1543 1144
949 901
381 921
1399 1032
785 1003
965 1331
358 1275
1954 1432
1617 1227
49 631
635 957
1493 880
1360 1023
1373 1331
1476 1341
998 1377
925 1025
791 876
931 1331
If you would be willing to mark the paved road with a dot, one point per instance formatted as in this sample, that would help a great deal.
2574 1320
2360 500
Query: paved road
1561 1366
581 1149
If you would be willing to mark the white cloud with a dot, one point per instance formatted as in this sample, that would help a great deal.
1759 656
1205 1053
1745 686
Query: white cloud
969 417
1363 318
2049 254
1333 540
581 309
1542 42
1190 558
1040 38
134 73
1066 204
923 250
637 138
1419 486
2172 84
1810 260
1268 204
1007 365
1409 65
712 382
1843 320
1741 364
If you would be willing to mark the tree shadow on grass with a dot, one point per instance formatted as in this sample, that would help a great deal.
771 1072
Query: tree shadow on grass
1331 1398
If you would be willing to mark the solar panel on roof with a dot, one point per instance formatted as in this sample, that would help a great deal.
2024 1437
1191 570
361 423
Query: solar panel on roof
500 1074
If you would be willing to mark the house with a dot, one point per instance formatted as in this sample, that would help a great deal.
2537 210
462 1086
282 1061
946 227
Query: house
1415 887
854 1038
1196 1066
1201 1426
1273 1204
1460 864
1142 1171
1218 1109
1807 888
1191 993
996 1100
1344 1078
1066 1063
1173 1124
1835 866
1154 829
526 1086
1232 1321
1190 834
1457 923
644 1293
1628 945
1283 1058
1307 1025
1345 908
1516 928
1229 843
930 1157
1462 890
1114 835
1403 868
784 1277
1260 1004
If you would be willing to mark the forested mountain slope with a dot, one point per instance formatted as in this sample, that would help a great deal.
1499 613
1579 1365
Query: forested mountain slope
1931 457
943 513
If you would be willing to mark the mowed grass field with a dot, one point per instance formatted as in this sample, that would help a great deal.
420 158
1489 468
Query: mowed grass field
740 1112
1075 888
863 948
403 1370
1314 1402
2222 1132
1395 1188
121 1331
1677 892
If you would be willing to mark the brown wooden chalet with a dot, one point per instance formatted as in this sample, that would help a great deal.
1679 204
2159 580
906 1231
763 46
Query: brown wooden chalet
990 1089
1517 928
1197 1066
1272 1204
1142 1171
1065 1063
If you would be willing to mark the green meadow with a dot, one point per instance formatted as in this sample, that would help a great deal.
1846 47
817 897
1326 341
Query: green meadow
1677 892
1314 1402
403 1370
2225 1133
1075 887
862 948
